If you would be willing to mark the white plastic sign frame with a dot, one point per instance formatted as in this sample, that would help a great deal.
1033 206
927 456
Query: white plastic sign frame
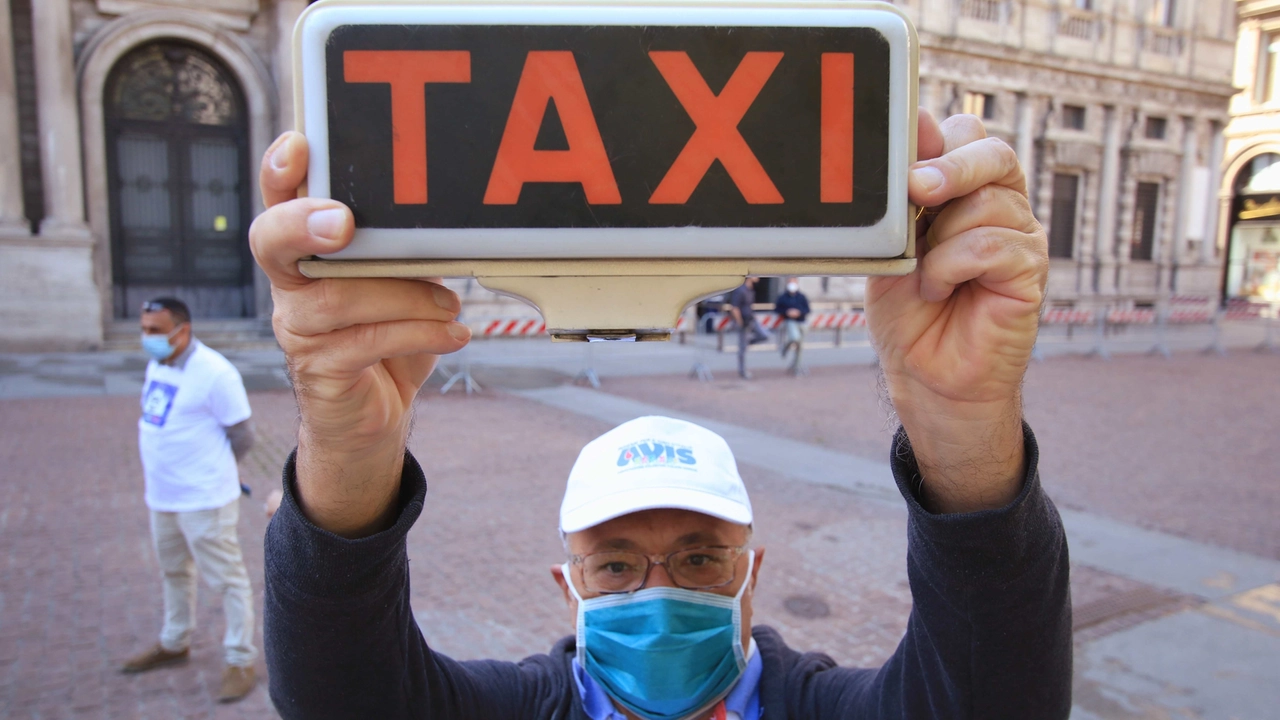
633 277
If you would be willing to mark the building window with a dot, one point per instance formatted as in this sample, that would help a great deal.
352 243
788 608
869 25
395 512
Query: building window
1062 223
1156 127
1269 67
1161 12
28 113
1073 117
1145 207
981 104
1262 177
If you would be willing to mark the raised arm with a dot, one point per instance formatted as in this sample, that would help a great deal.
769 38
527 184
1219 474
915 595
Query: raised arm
955 336
990 633
358 351
340 635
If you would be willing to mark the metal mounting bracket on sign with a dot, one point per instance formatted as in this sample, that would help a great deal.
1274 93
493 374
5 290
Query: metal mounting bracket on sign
606 299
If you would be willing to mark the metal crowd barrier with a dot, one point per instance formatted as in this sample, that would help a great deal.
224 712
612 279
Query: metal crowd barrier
1177 311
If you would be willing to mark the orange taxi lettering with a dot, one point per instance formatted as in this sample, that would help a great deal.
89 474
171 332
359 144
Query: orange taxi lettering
716 136
407 71
548 76
836 170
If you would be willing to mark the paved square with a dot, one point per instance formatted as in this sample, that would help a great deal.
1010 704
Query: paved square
1179 447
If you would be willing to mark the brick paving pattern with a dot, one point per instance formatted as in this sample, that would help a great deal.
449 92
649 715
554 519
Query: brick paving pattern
1185 446
79 586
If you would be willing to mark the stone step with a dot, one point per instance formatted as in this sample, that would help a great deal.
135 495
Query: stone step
249 334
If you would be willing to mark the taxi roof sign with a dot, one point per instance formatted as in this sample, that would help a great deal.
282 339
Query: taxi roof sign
618 144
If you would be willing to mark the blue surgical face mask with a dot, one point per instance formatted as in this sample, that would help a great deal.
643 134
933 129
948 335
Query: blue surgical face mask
663 653
159 347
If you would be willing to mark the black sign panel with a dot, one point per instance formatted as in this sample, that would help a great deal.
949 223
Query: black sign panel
621 127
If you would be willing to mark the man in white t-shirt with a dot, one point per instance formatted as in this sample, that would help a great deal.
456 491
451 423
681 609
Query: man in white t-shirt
194 427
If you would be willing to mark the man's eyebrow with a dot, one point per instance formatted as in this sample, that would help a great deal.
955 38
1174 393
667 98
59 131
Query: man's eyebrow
615 544
699 536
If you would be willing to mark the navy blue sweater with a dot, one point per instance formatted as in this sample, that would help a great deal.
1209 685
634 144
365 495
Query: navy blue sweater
989 636
792 301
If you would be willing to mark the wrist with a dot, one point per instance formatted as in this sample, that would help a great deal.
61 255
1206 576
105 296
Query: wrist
971 454
349 489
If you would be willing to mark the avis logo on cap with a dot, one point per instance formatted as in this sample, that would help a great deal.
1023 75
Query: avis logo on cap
652 453
649 463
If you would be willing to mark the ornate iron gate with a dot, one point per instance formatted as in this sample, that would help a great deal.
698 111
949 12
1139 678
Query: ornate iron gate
178 177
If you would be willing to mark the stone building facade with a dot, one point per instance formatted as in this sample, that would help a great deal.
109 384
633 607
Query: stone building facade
1249 194
1117 110
130 132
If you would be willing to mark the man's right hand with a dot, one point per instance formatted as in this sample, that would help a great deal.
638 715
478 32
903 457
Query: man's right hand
358 351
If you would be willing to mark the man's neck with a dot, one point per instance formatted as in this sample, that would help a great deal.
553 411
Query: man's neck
180 355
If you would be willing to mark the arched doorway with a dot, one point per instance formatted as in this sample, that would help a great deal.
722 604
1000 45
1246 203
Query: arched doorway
1253 257
177 168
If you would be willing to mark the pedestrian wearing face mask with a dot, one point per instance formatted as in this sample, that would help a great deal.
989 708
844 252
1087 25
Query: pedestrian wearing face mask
793 306
194 427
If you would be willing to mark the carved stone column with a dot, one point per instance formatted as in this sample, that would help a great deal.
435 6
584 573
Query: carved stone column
1186 171
1123 239
1086 249
1109 199
59 121
13 221
1166 250
1025 142
1214 238
287 12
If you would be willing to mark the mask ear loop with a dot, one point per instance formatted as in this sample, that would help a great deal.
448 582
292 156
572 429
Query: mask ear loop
580 626
740 653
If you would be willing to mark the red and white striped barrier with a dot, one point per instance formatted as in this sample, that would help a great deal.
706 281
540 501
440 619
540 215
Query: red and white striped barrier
512 327
1237 311
1190 300
1189 315
1067 316
841 320
1135 316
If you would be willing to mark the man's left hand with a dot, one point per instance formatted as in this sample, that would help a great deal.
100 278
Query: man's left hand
955 336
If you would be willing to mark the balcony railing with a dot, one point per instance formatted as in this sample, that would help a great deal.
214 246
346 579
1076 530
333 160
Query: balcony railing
1162 41
1079 24
993 11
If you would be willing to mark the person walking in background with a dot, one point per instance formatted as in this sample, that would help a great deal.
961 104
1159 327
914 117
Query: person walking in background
194 427
744 315
793 306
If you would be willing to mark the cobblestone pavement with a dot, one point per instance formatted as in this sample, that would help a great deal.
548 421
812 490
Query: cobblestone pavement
1186 446
79 586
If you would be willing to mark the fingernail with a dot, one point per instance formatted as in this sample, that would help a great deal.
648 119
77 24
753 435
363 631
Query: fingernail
327 224
280 156
458 330
928 177
445 298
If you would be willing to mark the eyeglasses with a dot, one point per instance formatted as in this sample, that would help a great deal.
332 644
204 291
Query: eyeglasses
700 568
149 306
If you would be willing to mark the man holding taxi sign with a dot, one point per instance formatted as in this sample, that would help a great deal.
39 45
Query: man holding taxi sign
990 633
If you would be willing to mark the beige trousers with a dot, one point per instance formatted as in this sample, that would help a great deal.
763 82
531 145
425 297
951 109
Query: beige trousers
204 541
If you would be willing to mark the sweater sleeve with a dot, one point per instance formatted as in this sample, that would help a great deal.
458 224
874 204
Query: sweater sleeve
342 642
989 635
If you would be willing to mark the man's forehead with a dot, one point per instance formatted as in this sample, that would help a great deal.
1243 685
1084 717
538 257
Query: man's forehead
658 529
157 317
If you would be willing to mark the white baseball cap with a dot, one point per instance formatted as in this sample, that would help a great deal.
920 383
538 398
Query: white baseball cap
654 462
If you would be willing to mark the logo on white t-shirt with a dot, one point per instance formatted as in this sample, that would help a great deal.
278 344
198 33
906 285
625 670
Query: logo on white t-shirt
157 401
